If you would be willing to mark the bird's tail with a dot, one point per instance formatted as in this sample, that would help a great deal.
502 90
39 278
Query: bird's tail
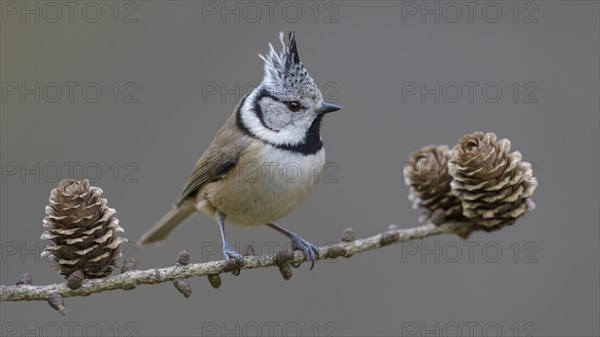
167 223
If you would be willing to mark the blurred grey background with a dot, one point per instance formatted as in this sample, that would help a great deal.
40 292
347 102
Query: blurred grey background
152 81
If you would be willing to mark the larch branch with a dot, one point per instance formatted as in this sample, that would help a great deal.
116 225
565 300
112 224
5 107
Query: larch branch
131 279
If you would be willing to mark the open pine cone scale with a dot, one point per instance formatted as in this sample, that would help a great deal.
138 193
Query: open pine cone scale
493 184
83 230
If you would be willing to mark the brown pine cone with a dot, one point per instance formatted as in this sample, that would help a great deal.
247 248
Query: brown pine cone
83 230
493 184
427 176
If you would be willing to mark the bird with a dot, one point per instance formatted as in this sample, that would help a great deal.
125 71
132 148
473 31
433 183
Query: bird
272 129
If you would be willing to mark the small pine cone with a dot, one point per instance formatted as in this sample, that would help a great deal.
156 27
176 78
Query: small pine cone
83 230
427 176
214 280
493 184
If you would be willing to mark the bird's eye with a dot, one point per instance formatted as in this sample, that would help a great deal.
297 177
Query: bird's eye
294 106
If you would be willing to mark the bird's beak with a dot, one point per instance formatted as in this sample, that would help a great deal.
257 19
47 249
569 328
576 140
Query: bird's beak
327 108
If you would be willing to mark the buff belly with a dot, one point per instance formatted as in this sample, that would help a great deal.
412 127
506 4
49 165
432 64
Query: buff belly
265 190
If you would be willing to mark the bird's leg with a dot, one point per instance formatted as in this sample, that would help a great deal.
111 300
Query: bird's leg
298 243
230 255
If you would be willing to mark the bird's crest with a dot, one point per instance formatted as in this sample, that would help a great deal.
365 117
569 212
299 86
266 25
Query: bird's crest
283 70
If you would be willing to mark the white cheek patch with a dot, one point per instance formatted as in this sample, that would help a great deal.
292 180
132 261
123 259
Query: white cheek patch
273 119
292 134
289 135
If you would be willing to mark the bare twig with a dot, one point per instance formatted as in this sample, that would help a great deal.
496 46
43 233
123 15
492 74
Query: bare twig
130 279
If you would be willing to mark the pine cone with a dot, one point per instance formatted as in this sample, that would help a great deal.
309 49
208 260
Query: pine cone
83 230
429 181
493 184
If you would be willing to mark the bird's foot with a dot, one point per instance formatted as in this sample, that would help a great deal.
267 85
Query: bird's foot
310 251
235 259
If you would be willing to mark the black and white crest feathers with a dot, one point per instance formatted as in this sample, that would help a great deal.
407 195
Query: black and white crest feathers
277 66
284 73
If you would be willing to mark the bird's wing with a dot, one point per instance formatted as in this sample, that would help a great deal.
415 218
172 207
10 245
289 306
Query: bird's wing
218 160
